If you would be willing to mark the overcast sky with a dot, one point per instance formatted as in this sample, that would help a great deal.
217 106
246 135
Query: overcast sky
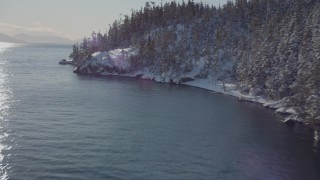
72 19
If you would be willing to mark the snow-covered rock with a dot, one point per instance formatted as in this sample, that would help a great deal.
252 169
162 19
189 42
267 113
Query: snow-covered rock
286 110
273 104
64 62
245 98
114 61
292 119
289 121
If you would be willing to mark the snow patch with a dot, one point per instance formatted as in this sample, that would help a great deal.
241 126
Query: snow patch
286 110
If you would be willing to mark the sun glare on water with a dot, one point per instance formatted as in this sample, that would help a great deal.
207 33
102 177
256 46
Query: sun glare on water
6 45
4 107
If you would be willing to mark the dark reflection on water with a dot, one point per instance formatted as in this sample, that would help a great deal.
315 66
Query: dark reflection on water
68 126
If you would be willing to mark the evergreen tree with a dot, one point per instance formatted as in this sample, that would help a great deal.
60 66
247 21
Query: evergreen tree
268 44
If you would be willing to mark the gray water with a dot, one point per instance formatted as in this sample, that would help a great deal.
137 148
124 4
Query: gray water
55 124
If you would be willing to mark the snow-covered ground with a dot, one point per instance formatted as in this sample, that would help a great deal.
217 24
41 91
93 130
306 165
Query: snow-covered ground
117 62
232 90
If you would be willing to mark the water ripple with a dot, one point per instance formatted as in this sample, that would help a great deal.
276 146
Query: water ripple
57 125
5 94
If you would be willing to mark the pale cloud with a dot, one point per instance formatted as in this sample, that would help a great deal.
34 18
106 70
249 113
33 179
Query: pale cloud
36 29
37 23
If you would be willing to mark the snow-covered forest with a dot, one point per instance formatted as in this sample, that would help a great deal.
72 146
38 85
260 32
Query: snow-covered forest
269 46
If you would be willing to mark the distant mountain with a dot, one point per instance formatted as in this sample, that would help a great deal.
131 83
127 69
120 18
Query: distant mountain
6 38
26 38
43 39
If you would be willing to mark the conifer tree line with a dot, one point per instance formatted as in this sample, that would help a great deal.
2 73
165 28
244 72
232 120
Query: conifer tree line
270 45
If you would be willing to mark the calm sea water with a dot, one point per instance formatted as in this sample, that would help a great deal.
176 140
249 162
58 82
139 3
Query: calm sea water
55 124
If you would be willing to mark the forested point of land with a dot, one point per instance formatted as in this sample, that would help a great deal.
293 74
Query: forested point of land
272 46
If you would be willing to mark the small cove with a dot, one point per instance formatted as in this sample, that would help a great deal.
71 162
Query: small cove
60 125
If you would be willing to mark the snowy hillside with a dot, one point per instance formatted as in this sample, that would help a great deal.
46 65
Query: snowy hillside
260 50
119 62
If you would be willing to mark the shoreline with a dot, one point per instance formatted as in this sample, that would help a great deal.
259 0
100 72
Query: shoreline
116 63
289 113
290 116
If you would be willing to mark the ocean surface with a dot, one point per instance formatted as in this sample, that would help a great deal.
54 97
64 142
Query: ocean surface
55 124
